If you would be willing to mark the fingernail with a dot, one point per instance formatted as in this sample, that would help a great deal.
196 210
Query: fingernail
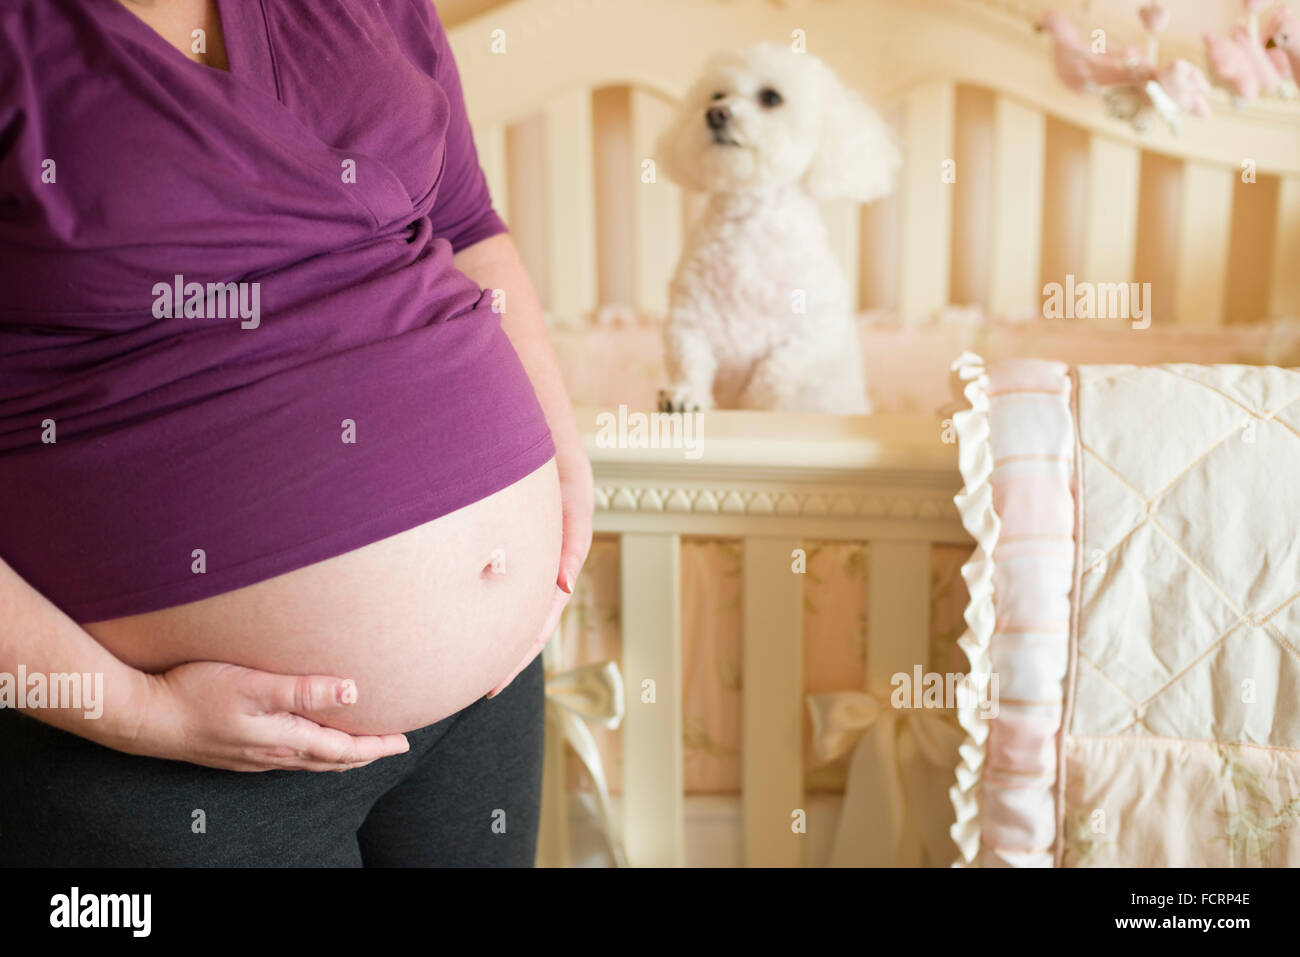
406 742
347 692
566 582
491 695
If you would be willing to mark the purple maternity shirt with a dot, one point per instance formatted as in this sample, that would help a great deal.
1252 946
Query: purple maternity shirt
351 384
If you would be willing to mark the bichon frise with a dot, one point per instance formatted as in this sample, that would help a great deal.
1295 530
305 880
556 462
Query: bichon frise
760 315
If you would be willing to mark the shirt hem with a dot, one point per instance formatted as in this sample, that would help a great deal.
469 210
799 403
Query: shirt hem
392 522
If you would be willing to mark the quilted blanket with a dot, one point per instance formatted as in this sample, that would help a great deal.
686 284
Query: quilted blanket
1136 589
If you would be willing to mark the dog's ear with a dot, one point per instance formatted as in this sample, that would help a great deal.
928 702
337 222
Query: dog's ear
858 156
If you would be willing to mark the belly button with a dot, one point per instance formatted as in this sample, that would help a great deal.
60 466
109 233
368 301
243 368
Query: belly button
496 563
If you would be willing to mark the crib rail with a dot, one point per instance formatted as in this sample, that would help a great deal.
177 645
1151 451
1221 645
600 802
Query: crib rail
775 481
1010 180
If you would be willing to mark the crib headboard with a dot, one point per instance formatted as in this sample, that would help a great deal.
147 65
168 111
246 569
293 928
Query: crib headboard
567 96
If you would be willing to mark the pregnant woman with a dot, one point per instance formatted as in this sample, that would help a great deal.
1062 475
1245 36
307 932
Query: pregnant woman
286 464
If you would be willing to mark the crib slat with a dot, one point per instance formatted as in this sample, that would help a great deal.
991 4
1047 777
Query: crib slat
1110 230
653 778
1065 196
773 702
1205 223
925 221
526 186
657 206
972 200
491 146
1018 139
844 227
898 611
570 208
1284 294
553 847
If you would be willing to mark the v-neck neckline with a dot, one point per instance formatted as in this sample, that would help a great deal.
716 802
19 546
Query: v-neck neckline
244 34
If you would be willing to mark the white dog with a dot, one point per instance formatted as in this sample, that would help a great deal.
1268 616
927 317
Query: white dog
760 315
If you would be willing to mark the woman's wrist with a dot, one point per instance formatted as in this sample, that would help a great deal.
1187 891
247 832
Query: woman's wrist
129 712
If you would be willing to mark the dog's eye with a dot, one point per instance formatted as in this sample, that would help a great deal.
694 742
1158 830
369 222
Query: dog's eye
719 95
769 97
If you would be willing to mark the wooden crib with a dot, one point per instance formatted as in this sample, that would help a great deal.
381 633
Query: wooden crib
567 97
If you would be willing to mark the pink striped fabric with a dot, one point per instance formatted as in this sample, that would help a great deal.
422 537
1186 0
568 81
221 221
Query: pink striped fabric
1032 439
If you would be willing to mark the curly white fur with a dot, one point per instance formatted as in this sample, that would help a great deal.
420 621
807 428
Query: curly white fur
760 315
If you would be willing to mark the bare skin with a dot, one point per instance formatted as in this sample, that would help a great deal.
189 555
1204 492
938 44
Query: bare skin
316 669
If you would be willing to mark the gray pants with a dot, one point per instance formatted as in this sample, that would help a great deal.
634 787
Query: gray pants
466 794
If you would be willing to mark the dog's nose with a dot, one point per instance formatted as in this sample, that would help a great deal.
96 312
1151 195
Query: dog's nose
717 117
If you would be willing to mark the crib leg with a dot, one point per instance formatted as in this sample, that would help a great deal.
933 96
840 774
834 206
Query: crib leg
653 802
772 735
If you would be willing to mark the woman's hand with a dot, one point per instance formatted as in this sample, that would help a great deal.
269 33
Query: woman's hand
204 712
225 716
577 500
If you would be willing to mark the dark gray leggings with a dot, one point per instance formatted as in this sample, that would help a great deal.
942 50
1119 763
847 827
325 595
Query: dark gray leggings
466 794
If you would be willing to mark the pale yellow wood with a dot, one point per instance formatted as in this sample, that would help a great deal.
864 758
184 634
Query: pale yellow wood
841 477
1110 231
1065 194
844 229
615 185
553 845
556 46
570 207
925 223
1018 135
657 205
1205 219
773 480
650 570
972 211
1249 266
898 611
773 702
491 145
526 191
1156 261
1284 290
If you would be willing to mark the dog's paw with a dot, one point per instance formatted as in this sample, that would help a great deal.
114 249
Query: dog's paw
678 400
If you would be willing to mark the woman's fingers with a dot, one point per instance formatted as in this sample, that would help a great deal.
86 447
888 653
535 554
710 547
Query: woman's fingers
304 744
307 741
559 601
575 546
576 503
300 694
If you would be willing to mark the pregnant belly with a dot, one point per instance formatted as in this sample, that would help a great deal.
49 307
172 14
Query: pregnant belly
426 622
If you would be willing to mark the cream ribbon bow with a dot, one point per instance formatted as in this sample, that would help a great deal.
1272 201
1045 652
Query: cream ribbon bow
591 693
902 760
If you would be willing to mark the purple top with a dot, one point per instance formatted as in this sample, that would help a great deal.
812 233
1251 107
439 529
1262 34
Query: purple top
354 385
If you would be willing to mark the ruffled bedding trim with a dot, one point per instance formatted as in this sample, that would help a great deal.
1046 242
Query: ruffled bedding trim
975 505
